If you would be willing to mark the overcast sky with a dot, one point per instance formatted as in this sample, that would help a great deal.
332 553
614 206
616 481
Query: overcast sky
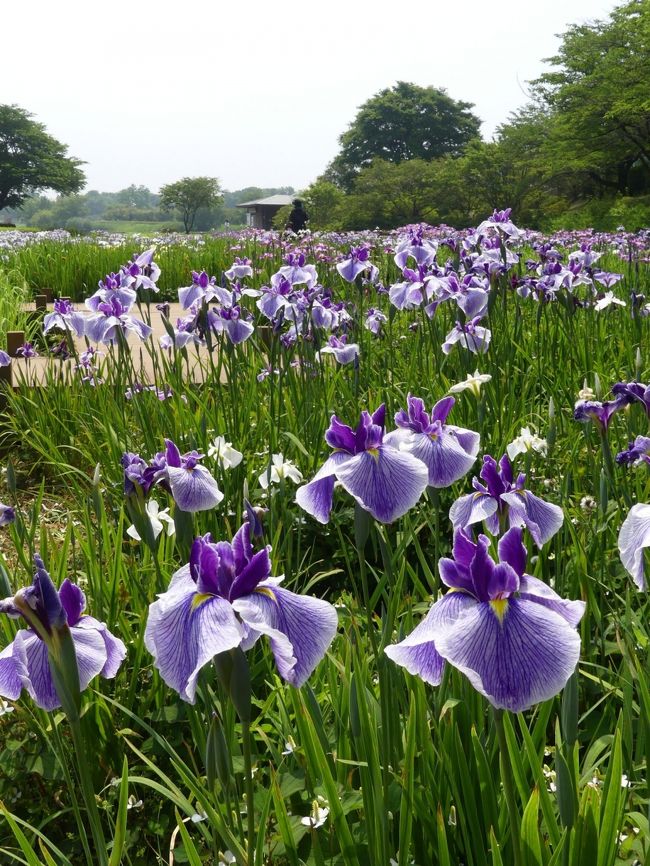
256 92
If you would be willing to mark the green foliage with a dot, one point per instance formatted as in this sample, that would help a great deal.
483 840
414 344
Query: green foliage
401 123
189 196
32 160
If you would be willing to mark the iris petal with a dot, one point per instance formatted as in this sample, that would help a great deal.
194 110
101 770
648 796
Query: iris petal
299 628
385 482
517 658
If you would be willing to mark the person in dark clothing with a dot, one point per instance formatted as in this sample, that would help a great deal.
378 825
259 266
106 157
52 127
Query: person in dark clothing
298 216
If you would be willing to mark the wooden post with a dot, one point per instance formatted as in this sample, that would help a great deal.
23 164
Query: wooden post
6 377
41 303
48 294
15 339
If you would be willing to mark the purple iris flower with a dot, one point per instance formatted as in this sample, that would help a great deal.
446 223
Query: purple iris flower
375 319
502 496
356 264
500 225
203 289
65 318
24 664
470 336
411 293
384 481
414 246
239 270
142 271
344 352
324 314
112 318
638 452
7 515
470 294
633 538
230 320
116 286
5 359
191 485
633 392
27 350
512 636
275 297
448 452
607 279
224 598
601 413
295 271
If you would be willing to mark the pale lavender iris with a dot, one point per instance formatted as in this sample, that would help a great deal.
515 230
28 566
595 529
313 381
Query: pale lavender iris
448 452
113 320
512 636
116 286
224 598
5 359
65 318
502 497
26 351
203 290
239 270
191 485
344 352
232 321
24 664
633 538
470 335
142 271
384 481
295 272
375 320
356 264
415 246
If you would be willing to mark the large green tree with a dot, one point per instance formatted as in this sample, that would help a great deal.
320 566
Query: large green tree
401 123
189 195
32 160
599 98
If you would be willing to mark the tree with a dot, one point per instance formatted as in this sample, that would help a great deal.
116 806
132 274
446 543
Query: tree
188 195
598 96
401 123
32 160
386 195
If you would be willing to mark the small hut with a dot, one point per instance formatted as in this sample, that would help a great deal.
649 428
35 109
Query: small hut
260 213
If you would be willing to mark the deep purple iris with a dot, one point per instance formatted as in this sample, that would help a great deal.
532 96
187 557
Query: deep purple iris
25 663
385 481
448 452
224 598
502 497
512 636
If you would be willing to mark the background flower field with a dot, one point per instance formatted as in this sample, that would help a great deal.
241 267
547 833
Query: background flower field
365 763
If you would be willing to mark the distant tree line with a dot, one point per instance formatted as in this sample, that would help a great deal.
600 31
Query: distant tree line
577 155
135 204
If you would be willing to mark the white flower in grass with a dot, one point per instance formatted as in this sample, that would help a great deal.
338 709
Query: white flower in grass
223 452
289 746
156 518
227 859
586 393
526 441
319 812
607 300
279 469
472 383
5 708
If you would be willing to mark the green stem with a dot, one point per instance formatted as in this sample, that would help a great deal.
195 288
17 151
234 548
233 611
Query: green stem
509 788
88 792
250 810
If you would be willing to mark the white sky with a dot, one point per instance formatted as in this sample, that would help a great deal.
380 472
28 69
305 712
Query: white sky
256 92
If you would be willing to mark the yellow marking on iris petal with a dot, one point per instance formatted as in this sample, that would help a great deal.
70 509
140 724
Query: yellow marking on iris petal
374 452
201 597
499 606
267 591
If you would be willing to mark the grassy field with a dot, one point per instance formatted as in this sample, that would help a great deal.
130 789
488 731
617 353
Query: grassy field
365 763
